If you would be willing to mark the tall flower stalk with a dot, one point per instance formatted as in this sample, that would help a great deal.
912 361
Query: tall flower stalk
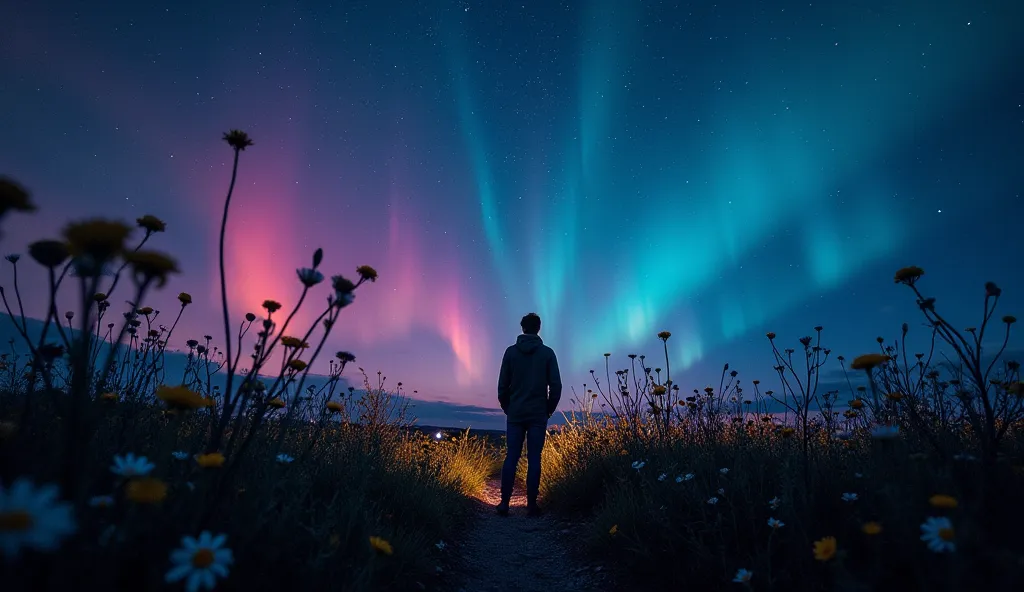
239 141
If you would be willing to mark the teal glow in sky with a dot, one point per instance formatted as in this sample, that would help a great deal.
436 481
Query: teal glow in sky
620 168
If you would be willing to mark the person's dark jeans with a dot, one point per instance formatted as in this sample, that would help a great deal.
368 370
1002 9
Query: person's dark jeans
533 434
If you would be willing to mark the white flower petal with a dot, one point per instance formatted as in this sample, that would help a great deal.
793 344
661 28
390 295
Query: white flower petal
195 579
217 541
224 556
178 572
209 581
182 556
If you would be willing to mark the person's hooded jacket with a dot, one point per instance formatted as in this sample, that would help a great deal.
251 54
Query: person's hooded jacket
529 385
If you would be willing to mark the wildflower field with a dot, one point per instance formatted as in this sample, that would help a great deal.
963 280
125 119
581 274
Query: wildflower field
911 479
246 471
242 472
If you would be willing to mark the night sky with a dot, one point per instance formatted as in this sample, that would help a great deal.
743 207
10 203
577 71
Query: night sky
619 167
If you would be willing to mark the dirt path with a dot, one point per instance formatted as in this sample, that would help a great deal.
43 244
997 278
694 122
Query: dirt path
522 554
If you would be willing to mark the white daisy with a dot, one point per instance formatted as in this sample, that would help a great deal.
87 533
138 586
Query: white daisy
713 500
200 561
130 465
180 455
662 477
101 501
724 471
441 545
285 459
938 533
638 464
849 497
776 523
774 503
32 518
721 491
743 576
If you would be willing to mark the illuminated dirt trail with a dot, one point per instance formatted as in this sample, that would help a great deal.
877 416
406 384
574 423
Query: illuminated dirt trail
521 554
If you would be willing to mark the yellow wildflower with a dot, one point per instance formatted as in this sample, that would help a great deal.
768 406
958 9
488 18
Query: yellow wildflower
109 396
908 275
825 549
276 403
613 530
770 335
152 265
210 460
367 273
944 501
856 404
871 528
334 406
289 341
868 361
151 224
272 306
381 546
49 253
238 140
148 490
179 397
1009 319
664 335
658 390
185 298
297 365
100 239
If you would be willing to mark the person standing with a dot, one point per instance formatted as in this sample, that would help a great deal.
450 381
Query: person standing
529 388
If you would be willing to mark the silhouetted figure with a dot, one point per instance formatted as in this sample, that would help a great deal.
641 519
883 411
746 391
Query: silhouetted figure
528 391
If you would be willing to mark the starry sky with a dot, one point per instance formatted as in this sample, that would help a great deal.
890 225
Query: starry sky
621 167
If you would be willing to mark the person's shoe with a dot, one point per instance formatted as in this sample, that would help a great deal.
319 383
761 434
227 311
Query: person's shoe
533 510
502 508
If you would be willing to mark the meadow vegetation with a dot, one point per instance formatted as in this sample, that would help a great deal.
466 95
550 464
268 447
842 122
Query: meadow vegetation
910 477
244 471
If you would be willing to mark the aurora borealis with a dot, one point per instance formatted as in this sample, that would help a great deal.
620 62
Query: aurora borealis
619 167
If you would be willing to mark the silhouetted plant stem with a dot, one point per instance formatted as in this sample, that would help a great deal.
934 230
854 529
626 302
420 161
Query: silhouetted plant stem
17 293
216 439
